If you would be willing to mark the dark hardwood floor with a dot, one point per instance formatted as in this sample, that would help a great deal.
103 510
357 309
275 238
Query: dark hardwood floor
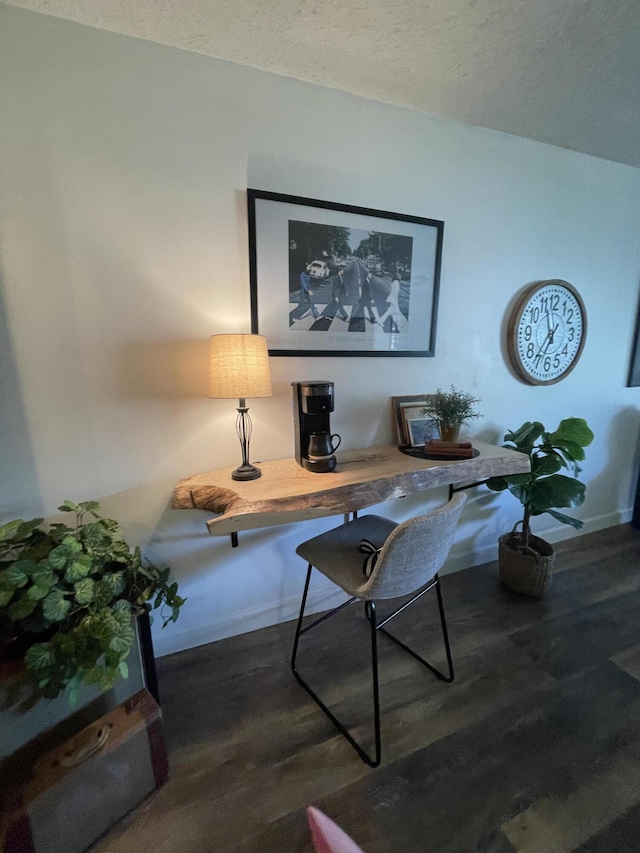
534 748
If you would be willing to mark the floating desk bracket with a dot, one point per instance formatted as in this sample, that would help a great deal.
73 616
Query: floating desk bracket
453 489
234 535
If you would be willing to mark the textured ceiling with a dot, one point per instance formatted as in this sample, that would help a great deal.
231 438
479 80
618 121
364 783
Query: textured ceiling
566 72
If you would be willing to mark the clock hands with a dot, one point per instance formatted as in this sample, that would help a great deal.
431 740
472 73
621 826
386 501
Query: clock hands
545 343
544 346
550 335
552 329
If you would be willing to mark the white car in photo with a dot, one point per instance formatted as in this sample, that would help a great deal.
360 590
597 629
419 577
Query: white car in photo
318 269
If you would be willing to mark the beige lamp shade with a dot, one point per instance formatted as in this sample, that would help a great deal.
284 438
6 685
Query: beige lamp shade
239 366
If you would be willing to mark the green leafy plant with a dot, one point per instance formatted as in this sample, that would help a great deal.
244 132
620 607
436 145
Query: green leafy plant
69 593
451 407
544 488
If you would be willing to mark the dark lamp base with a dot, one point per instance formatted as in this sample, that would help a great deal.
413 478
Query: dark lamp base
246 472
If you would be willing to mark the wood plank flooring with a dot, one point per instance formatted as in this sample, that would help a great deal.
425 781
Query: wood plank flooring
534 748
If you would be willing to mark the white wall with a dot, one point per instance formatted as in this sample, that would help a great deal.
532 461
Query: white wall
123 246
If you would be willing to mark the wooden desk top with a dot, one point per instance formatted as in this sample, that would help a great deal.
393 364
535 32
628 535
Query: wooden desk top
286 492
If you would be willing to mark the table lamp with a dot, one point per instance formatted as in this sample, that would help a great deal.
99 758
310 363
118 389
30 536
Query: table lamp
239 367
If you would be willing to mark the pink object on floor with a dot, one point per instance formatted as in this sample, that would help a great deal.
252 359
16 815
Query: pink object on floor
327 836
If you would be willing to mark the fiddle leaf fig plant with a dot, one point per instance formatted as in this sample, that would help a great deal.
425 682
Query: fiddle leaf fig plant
544 489
70 593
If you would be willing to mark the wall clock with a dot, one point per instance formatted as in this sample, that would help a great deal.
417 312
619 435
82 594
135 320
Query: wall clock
547 331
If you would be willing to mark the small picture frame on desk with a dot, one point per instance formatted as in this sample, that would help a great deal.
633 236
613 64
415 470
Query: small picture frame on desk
410 412
422 430
399 406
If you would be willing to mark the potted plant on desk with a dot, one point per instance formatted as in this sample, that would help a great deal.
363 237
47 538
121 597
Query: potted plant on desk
68 596
525 561
451 409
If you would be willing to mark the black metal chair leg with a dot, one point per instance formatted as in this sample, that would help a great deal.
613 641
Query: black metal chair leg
370 612
446 678
300 618
372 762
376 692
445 633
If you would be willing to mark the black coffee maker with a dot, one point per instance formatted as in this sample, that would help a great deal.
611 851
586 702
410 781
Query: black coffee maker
315 446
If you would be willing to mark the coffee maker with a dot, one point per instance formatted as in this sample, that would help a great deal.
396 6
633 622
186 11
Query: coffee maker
315 446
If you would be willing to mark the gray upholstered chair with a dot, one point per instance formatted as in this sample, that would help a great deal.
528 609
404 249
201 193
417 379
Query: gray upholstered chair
406 559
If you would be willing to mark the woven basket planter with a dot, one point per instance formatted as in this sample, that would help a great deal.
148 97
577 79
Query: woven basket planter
529 572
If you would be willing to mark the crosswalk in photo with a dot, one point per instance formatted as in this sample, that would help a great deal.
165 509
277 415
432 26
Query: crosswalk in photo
353 299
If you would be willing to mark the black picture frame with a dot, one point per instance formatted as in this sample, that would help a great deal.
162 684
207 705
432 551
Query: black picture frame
385 301
633 378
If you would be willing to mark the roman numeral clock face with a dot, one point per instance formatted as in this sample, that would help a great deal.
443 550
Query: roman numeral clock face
547 331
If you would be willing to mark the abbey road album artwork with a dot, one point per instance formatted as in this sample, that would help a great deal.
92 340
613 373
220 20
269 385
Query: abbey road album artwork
333 279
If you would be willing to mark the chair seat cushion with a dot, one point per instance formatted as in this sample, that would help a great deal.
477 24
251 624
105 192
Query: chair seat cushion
336 553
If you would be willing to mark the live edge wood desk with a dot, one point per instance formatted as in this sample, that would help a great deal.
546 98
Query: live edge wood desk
286 492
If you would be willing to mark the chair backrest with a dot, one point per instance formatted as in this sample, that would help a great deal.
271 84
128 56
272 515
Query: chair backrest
415 551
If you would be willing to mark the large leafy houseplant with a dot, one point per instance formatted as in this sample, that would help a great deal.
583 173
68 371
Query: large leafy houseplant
69 595
544 489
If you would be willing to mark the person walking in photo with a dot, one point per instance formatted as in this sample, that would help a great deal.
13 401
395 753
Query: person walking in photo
393 311
366 303
340 293
305 295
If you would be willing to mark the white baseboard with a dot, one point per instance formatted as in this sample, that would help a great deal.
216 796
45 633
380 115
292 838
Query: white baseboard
458 561
284 610
243 621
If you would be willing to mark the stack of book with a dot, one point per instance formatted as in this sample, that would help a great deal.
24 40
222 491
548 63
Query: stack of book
448 449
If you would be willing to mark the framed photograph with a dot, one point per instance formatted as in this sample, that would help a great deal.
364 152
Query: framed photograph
398 407
409 411
330 279
421 430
